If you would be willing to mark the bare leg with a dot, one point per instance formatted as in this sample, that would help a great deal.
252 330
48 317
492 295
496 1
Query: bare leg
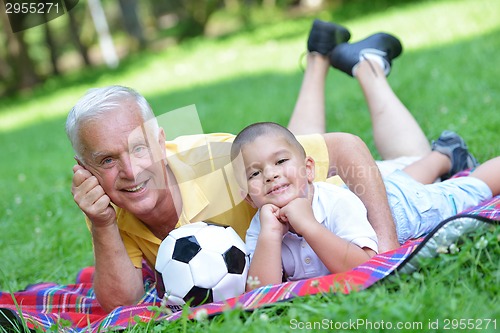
308 116
488 173
395 131
427 169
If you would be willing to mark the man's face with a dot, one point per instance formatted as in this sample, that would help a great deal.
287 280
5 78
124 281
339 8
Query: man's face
276 172
128 164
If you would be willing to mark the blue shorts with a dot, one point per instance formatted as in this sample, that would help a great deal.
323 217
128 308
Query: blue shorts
417 209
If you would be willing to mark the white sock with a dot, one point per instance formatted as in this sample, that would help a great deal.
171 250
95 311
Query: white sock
375 56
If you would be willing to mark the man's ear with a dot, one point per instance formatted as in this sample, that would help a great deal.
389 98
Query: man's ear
161 135
310 169
161 142
79 162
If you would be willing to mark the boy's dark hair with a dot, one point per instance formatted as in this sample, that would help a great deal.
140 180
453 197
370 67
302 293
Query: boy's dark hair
251 132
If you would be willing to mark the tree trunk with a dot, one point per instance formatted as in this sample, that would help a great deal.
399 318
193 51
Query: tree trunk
23 74
75 37
18 48
51 44
196 17
132 21
101 26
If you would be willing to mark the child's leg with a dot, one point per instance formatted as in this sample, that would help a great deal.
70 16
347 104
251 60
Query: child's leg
449 155
390 118
489 173
396 132
308 116
427 169
309 113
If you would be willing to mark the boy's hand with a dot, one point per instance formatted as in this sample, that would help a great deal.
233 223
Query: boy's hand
91 198
298 213
270 220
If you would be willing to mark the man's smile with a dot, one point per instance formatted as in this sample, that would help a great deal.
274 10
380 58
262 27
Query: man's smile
136 188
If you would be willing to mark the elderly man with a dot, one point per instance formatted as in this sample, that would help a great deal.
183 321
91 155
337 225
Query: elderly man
135 187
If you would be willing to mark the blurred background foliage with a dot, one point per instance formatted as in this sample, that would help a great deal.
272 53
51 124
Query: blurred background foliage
83 39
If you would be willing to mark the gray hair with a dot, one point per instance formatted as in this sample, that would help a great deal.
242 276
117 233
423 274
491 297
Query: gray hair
98 101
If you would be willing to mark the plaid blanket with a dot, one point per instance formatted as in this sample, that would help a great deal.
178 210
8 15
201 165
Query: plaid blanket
74 307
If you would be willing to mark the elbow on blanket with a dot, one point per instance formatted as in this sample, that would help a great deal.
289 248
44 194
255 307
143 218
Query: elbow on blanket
109 299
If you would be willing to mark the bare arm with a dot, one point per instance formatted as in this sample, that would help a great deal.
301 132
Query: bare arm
352 161
266 260
117 281
336 253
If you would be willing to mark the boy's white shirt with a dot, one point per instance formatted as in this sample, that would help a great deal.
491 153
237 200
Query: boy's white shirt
340 211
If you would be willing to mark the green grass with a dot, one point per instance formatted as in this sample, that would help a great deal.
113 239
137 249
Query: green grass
447 76
452 286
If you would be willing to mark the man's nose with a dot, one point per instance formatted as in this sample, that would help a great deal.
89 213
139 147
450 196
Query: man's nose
127 168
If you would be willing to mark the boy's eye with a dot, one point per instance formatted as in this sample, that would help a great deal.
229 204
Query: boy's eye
282 160
253 174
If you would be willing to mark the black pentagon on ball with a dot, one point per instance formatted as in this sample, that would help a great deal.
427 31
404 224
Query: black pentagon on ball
197 296
235 260
185 249
160 286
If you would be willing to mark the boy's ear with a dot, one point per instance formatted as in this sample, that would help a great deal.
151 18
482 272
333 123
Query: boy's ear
310 169
249 200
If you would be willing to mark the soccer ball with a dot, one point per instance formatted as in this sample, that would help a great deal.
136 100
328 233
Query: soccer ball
201 263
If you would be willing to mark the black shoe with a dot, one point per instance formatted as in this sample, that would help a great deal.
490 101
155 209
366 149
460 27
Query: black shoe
345 56
452 145
324 36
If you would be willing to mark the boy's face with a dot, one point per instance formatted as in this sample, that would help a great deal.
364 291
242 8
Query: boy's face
276 172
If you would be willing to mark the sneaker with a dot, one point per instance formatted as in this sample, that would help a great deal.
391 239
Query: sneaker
324 36
346 56
452 145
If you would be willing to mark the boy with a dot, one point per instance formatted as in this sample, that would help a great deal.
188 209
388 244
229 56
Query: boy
305 229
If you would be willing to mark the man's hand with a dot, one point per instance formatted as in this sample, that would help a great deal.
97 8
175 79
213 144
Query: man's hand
91 198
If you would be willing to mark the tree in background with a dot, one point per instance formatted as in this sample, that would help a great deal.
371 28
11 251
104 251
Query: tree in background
20 73
25 62
53 49
132 21
191 15
75 22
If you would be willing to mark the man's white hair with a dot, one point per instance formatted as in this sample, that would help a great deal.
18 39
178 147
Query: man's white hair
98 101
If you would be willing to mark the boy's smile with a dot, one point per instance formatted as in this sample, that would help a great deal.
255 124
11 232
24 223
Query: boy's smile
276 172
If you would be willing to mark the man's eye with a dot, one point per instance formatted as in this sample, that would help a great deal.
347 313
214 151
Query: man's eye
107 161
140 151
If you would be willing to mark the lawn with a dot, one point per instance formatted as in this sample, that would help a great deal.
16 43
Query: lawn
447 76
